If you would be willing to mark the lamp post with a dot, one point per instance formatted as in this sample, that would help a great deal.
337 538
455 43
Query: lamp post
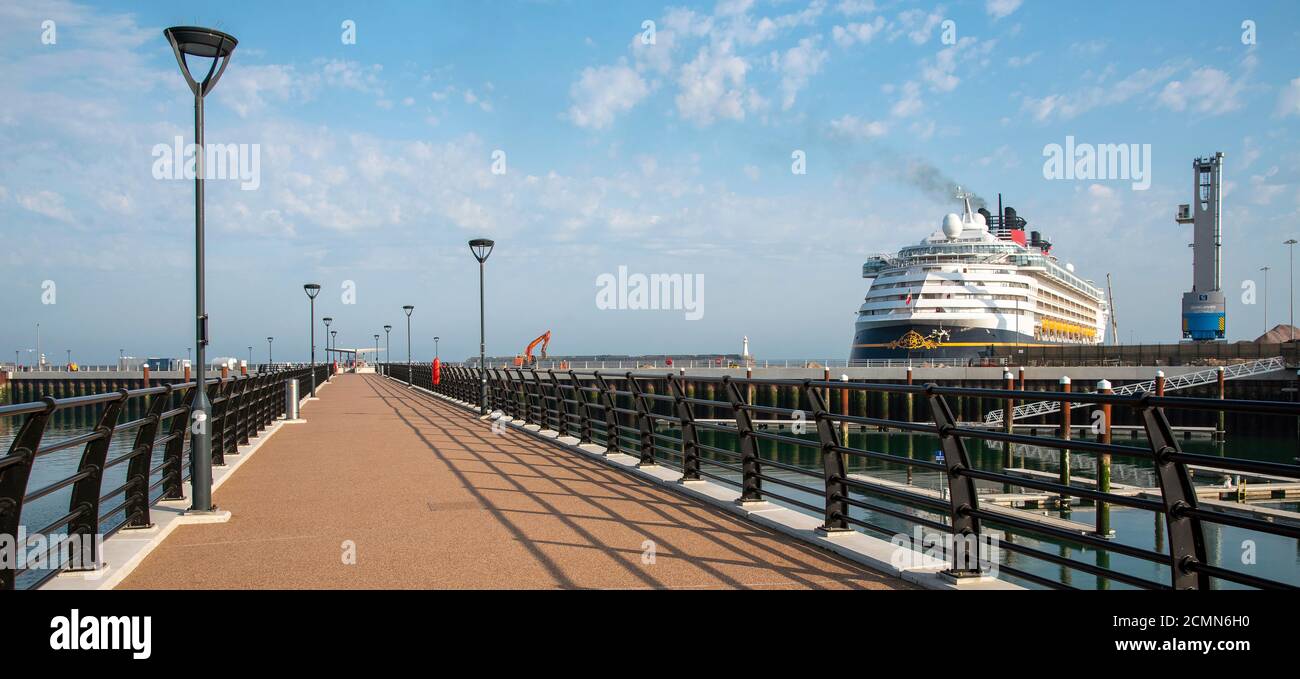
1290 243
408 309
376 348
327 321
312 289
388 346
1265 270
482 249
250 357
270 363
435 346
191 41
334 342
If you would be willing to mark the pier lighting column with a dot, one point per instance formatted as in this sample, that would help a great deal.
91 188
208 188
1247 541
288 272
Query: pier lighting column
1265 270
435 346
191 41
482 249
334 342
269 361
376 348
408 309
312 289
327 320
1290 244
388 344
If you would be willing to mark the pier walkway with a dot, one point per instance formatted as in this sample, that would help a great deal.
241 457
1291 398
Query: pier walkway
461 506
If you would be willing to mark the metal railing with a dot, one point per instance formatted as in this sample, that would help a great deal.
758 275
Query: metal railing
1185 381
624 414
241 407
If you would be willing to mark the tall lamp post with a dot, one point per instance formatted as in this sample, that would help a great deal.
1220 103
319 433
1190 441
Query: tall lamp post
1290 243
482 249
191 41
334 342
388 346
250 357
270 363
1265 270
376 348
408 309
312 289
435 346
327 321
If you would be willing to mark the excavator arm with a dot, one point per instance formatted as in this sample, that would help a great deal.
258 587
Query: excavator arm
544 339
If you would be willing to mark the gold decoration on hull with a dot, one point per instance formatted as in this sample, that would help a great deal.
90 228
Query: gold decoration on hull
914 340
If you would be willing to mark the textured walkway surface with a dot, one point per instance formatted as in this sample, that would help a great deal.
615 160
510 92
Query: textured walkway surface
426 496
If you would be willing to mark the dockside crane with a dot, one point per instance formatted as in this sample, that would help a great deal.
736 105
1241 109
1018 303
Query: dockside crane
1114 324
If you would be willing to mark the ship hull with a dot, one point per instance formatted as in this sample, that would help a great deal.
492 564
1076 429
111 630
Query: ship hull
921 341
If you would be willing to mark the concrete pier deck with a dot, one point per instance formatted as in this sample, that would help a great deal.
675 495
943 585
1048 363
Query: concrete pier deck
428 496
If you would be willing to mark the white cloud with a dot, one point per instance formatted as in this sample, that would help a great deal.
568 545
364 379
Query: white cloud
1288 100
852 127
712 87
47 203
1206 90
865 32
909 103
1066 106
601 94
1001 8
796 66
941 72
917 24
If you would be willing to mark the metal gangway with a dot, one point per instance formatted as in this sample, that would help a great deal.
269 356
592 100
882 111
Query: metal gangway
1196 379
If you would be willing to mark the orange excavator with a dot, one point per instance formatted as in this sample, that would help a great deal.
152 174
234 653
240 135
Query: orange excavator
527 359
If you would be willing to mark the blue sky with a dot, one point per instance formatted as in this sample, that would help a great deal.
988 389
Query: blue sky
672 157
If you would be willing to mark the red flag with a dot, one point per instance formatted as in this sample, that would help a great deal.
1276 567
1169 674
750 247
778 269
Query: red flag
437 371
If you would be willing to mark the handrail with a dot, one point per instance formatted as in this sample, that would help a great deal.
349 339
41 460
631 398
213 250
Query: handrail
243 406
622 410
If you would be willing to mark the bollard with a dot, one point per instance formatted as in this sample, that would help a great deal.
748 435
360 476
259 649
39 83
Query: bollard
146 377
291 400
1065 452
1103 466
225 372
1022 378
187 372
1160 383
243 368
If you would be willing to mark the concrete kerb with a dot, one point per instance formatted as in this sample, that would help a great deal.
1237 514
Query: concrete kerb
874 553
126 550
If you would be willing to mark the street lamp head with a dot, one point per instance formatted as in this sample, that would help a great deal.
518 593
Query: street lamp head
193 41
388 328
334 333
481 247
436 338
312 289
270 339
328 320
408 309
1290 241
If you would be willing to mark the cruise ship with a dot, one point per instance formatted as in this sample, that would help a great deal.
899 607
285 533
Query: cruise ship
974 285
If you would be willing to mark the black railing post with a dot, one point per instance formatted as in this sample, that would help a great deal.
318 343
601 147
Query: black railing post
1186 538
525 403
646 445
833 467
220 406
690 439
13 481
137 469
543 404
560 404
583 410
961 488
85 492
751 484
612 434
173 455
